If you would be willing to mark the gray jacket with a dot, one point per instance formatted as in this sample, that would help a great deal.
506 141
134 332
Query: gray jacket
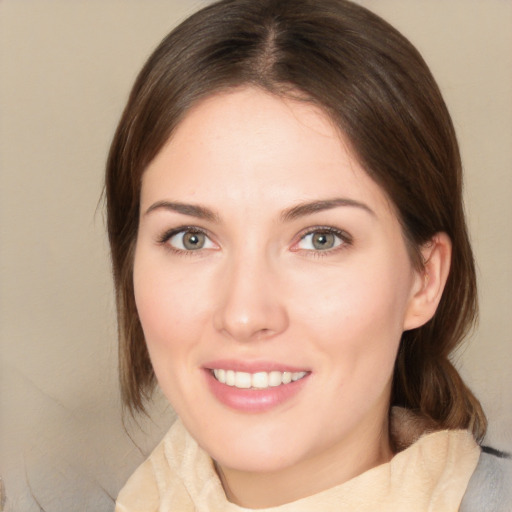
490 487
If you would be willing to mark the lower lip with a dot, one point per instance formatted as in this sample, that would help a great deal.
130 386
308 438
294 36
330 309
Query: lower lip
253 400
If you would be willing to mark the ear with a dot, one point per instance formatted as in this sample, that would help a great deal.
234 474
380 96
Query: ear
429 281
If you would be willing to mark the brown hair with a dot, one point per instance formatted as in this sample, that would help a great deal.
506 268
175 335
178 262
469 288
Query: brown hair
378 90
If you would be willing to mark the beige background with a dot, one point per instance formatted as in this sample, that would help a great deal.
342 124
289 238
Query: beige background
65 71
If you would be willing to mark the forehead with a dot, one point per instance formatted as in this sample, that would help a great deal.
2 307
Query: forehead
248 146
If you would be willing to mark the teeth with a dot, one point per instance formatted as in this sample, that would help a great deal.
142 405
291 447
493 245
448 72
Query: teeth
230 377
275 379
221 375
287 377
242 380
259 380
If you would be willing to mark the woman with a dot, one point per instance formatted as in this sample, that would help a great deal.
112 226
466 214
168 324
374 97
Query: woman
292 266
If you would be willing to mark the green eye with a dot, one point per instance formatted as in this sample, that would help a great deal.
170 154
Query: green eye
193 241
190 240
321 240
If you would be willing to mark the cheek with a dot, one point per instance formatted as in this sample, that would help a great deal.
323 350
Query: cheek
157 308
167 304
355 300
356 317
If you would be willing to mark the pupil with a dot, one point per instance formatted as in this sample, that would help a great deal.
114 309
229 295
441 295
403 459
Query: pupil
193 241
323 241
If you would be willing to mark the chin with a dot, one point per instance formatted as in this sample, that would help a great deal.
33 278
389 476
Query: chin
252 460
245 443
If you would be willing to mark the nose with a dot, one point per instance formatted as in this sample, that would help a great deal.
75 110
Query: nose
251 304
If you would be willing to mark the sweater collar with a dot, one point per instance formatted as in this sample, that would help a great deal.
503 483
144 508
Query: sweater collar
430 472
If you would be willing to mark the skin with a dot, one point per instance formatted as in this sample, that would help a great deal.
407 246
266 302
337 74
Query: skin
259 290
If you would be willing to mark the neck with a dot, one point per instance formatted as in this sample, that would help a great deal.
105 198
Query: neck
355 455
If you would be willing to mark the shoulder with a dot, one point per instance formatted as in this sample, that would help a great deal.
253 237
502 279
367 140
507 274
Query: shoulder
176 470
141 491
490 487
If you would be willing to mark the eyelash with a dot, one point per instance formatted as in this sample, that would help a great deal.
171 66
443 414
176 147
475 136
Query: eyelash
167 235
346 240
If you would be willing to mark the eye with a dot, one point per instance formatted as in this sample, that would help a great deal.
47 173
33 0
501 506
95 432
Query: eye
188 239
322 239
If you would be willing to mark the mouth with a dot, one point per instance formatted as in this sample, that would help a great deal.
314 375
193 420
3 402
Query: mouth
258 380
255 386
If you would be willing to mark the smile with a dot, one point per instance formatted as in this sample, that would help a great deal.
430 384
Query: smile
258 380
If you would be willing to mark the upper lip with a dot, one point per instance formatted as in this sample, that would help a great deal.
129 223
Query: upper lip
252 366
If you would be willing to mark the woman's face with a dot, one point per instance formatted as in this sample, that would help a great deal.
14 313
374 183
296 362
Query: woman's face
272 283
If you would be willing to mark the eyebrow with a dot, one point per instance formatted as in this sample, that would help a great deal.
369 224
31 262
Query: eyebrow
300 210
192 210
304 209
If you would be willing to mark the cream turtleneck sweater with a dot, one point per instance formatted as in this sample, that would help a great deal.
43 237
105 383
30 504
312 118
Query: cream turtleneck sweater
430 474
